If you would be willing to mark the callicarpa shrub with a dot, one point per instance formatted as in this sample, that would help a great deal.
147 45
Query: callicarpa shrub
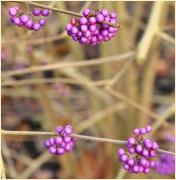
29 21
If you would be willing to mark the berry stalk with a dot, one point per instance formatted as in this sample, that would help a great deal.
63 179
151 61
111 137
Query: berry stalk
63 11
32 133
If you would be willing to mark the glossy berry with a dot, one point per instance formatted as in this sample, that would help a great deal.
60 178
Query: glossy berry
100 18
42 22
131 141
45 12
24 18
36 12
17 21
36 26
86 12
13 11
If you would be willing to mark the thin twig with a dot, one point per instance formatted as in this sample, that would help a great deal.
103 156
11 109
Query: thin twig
134 104
89 138
53 8
97 61
50 80
166 37
119 74
65 12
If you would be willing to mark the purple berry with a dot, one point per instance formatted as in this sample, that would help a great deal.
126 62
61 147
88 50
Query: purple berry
138 148
17 21
59 129
36 12
148 128
29 24
100 18
126 166
74 30
107 19
13 11
83 28
68 129
124 158
45 12
155 146
58 140
24 18
141 169
111 29
79 34
42 22
12 19
104 12
83 40
60 151
92 28
113 15
143 131
73 21
104 33
152 164
152 153
52 150
135 169
63 144
36 26
131 162
145 153
131 150
51 141
68 147
47 143
68 27
87 33
92 20
67 139
143 162
131 141
146 170
121 151
147 143
86 12
83 20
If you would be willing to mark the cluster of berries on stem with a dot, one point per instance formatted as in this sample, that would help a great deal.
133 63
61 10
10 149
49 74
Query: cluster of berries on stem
93 27
63 142
140 150
29 21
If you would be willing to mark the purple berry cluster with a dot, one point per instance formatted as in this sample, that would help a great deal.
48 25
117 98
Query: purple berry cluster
165 165
140 150
17 17
63 142
93 27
